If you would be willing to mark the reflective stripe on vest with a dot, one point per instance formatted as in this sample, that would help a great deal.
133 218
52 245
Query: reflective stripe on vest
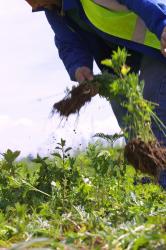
111 4
115 19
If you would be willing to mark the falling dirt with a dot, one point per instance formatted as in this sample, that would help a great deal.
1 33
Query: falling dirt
148 157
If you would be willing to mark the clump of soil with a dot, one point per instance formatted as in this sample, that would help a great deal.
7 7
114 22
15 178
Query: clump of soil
148 157
76 99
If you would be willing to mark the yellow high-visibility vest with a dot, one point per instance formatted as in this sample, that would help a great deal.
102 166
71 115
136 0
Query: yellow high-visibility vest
115 19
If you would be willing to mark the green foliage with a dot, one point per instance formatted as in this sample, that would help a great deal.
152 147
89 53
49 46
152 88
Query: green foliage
87 201
127 90
9 158
111 139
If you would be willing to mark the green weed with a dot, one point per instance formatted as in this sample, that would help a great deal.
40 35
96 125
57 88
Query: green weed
86 201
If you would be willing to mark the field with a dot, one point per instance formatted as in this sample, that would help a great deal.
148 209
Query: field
92 199
85 200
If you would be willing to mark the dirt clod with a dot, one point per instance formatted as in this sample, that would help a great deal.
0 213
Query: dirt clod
75 100
148 157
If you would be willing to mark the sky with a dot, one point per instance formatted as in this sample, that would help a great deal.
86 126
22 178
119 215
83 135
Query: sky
33 78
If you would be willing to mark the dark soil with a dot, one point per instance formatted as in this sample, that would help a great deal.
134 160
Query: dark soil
148 157
75 100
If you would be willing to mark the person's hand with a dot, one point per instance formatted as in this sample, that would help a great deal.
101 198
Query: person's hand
163 42
82 74
85 74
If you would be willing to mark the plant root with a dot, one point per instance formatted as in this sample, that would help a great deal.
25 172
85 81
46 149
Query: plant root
75 100
148 157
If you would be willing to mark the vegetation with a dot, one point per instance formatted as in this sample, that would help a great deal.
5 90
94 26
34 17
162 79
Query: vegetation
88 201
93 199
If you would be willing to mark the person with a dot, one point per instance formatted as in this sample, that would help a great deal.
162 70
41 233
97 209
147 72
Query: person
87 30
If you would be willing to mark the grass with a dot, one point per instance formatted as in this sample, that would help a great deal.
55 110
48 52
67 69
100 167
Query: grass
86 201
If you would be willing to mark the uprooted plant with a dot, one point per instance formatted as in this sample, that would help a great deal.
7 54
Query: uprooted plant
143 150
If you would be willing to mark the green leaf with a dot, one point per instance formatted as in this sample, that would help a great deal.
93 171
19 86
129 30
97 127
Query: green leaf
67 149
11 156
57 155
63 142
107 62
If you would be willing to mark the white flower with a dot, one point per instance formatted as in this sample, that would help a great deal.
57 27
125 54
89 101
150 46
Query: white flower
53 184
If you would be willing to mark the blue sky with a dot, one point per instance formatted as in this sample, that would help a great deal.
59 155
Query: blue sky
32 79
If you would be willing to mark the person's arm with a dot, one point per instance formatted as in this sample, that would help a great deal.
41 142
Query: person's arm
153 12
163 42
72 49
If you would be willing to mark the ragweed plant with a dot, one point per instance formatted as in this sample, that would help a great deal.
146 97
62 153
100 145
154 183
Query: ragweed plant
143 150
126 88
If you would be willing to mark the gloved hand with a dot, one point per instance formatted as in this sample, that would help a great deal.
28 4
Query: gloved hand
82 74
163 42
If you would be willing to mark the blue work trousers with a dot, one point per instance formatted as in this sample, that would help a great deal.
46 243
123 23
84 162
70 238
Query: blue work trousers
153 72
